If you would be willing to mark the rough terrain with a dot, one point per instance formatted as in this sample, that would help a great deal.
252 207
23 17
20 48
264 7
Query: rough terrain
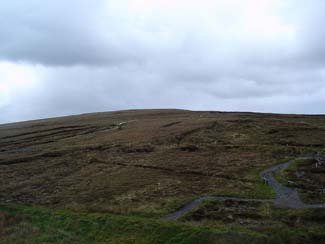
149 163
285 197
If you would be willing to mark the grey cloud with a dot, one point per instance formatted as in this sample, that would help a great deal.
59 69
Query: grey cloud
60 33
99 56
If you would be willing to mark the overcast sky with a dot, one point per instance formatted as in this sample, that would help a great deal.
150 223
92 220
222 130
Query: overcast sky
69 57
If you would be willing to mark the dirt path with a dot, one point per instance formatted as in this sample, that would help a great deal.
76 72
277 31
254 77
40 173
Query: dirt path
285 197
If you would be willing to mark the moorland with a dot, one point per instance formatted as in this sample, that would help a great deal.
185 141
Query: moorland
113 177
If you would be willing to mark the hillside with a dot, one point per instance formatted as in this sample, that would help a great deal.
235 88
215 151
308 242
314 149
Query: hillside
144 164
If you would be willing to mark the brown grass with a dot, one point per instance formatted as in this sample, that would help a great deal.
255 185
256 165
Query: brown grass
157 161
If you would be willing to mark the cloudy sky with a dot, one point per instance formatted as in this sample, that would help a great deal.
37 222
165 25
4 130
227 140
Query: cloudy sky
69 57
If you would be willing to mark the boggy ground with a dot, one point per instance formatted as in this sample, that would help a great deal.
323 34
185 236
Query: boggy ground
261 217
154 163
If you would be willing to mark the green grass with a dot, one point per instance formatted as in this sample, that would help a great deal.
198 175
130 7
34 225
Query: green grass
40 225
282 176
284 225
260 189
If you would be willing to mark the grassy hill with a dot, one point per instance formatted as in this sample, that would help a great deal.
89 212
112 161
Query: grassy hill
79 179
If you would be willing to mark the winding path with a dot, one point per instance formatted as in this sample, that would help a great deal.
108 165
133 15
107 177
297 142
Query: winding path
285 197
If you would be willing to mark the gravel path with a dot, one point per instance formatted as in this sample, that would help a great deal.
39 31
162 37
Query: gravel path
197 202
285 197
